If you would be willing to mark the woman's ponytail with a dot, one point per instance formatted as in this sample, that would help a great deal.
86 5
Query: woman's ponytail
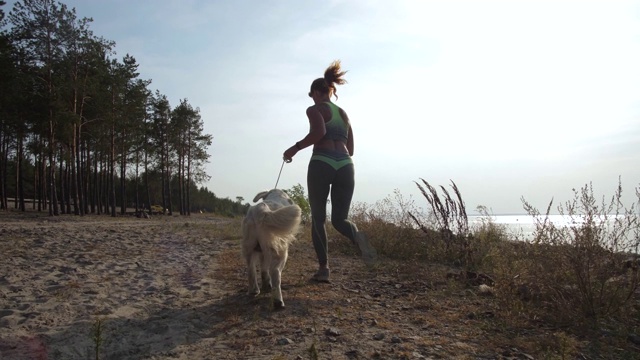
334 76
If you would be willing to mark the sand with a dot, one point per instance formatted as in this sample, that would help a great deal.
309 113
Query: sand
97 287
145 284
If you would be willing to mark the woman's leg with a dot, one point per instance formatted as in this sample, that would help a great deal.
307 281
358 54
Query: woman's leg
341 195
319 177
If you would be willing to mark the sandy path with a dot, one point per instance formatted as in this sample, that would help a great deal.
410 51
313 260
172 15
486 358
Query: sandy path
59 280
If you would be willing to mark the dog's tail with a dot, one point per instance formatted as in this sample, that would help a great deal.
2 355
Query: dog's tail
284 220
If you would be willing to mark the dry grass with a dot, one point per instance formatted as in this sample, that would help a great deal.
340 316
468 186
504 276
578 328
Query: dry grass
574 291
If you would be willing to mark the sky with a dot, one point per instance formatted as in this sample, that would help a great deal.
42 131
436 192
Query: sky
510 100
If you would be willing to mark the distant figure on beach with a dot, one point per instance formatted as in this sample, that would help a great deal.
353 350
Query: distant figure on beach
331 169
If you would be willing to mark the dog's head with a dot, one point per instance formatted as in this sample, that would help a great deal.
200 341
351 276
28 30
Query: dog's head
276 196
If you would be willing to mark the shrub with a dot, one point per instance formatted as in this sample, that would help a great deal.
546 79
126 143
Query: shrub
297 194
487 243
585 268
389 227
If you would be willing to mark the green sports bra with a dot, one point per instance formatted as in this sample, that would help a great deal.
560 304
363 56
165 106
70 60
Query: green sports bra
337 128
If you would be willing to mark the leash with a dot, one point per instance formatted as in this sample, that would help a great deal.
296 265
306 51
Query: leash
280 173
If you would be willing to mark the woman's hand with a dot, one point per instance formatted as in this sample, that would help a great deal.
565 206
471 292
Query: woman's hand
290 153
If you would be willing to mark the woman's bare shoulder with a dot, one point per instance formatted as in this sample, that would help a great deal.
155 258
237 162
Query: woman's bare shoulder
343 113
312 108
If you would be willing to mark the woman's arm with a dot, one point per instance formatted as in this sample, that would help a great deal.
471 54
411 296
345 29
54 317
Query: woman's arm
350 141
317 130
350 146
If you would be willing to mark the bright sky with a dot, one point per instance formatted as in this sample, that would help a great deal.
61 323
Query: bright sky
508 99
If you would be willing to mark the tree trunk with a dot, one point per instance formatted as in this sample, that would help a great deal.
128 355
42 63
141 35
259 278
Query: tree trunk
67 184
61 176
3 171
146 180
135 181
41 180
123 177
163 176
36 181
169 197
54 209
75 170
99 168
87 183
189 174
112 171
19 173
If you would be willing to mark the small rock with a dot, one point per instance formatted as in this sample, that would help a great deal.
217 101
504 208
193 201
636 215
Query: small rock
396 340
332 332
488 314
263 332
378 336
284 341
374 322
634 339
352 354
485 290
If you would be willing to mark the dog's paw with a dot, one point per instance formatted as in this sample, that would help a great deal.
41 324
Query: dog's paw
253 292
278 305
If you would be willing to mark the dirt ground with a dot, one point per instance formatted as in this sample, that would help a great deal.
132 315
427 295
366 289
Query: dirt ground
97 287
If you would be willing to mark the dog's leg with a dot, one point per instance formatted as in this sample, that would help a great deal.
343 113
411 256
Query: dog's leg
276 275
264 274
277 265
252 261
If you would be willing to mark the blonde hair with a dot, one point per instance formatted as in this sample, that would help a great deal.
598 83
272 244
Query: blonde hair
333 76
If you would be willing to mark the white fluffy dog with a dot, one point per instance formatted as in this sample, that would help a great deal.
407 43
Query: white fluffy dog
268 229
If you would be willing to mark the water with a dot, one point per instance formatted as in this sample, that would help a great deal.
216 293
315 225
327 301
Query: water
523 225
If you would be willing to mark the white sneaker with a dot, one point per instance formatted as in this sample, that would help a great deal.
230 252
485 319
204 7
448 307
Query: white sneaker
369 254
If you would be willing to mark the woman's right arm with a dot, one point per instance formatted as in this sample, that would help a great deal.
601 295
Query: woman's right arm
317 130
316 133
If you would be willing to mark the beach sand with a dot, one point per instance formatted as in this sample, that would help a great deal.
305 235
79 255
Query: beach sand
97 287
135 286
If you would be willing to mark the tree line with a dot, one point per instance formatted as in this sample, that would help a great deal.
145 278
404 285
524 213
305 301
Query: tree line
81 132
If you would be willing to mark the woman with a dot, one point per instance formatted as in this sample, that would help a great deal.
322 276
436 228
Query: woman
331 169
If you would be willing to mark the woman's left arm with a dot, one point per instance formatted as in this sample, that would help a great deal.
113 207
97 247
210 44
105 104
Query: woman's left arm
350 146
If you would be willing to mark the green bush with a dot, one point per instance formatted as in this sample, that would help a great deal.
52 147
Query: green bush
297 194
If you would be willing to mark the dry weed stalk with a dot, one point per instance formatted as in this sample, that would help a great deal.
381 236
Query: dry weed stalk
451 221
97 336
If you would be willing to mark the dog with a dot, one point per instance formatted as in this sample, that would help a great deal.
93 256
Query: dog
267 230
